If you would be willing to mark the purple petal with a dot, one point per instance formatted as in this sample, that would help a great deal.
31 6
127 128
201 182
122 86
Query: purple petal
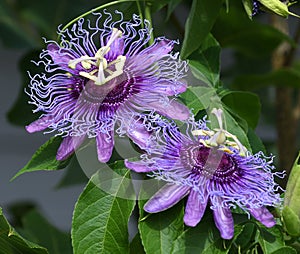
224 222
60 56
166 197
68 146
138 166
170 88
105 145
116 49
263 215
138 134
173 109
194 209
159 48
38 125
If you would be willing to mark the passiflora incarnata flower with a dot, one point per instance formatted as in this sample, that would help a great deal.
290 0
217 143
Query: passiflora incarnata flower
211 168
102 74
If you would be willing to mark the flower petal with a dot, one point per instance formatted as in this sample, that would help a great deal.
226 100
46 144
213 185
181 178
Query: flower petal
170 88
138 166
105 145
165 198
160 48
194 209
263 215
224 222
138 133
38 125
68 146
172 109
116 49
59 55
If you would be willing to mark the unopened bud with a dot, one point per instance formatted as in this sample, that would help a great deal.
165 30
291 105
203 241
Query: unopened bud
291 211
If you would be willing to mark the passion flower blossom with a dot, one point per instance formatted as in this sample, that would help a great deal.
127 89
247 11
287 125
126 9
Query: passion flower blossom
102 74
210 167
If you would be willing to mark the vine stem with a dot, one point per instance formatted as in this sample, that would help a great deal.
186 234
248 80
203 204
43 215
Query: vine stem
149 18
140 11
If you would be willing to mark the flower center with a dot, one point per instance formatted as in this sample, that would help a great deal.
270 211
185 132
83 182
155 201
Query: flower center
220 138
210 162
98 69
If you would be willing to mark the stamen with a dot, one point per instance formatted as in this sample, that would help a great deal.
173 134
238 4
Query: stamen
101 63
116 33
72 63
219 137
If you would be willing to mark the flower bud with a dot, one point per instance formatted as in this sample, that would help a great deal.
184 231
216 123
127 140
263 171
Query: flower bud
291 210
277 7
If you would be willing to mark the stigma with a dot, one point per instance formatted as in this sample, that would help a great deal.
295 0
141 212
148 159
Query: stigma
220 137
98 68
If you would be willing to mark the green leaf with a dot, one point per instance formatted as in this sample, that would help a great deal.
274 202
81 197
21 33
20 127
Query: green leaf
37 229
157 5
255 142
248 5
292 193
159 231
45 158
246 237
100 220
278 7
204 239
198 98
202 17
287 77
252 38
171 6
270 239
136 246
12 243
73 175
207 61
244 104
291 221
285 250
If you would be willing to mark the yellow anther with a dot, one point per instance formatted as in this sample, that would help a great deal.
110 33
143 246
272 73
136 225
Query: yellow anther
202 133
225 149
88 75
86 65
72 63
101 52
221 138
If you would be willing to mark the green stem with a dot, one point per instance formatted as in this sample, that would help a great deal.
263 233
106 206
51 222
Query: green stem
140 12
94 10
149 18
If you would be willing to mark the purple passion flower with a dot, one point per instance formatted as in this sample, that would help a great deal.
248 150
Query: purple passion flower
210 167
103 74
